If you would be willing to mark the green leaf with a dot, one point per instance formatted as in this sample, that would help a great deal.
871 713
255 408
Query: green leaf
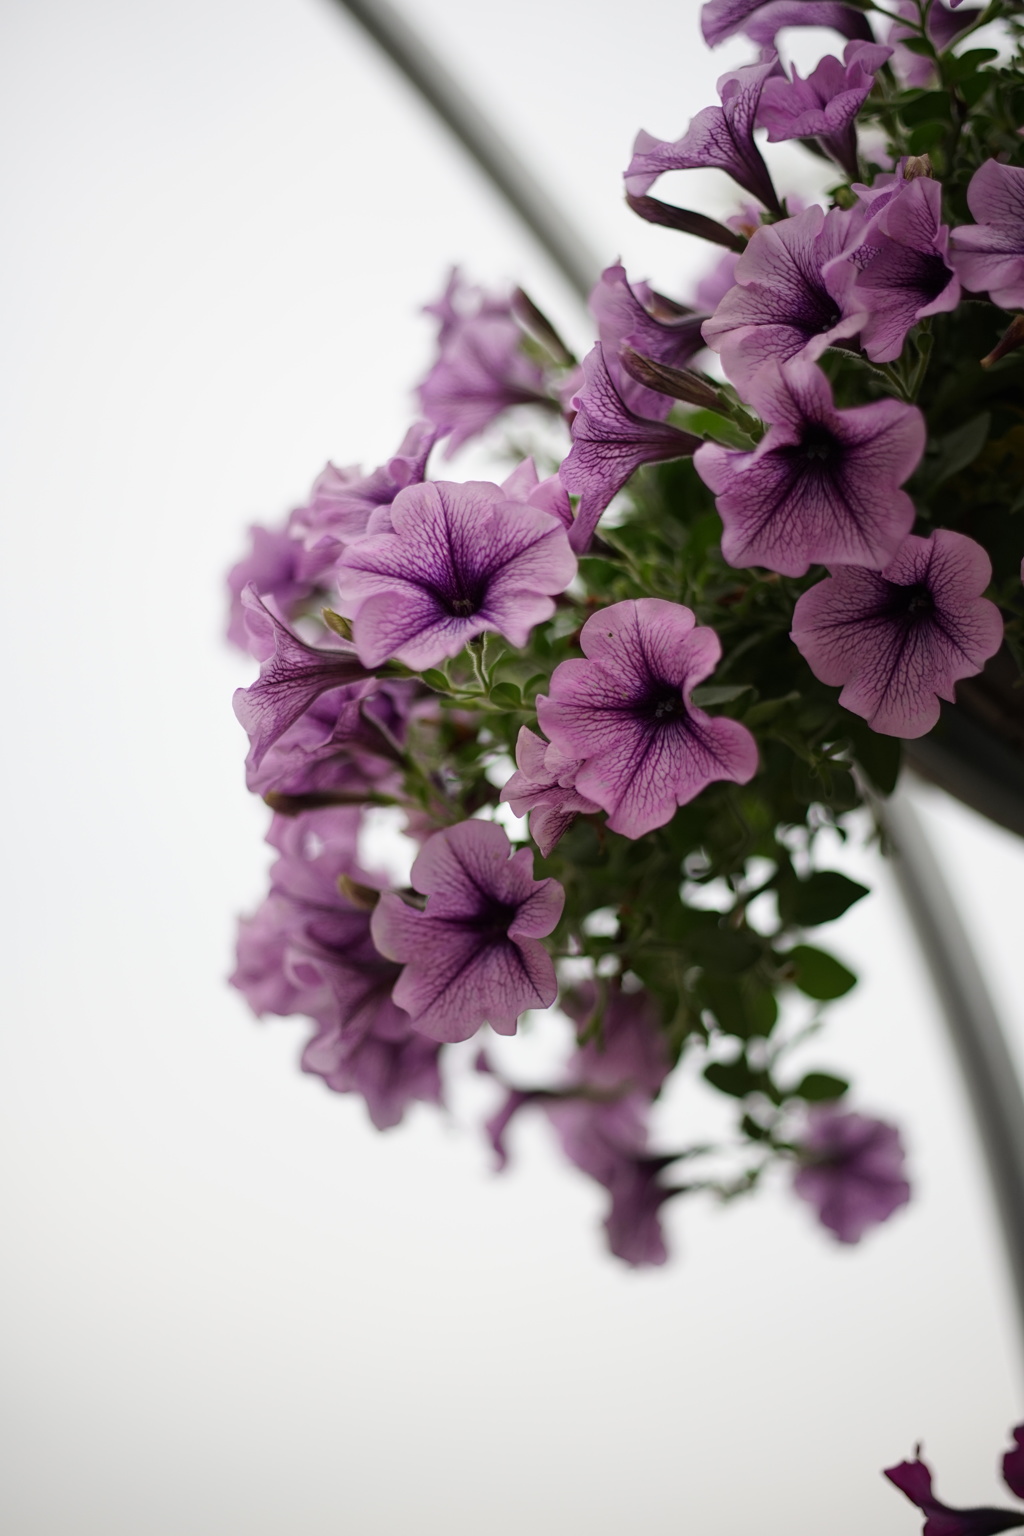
932 107
732 1077
723 949
960 448
707 698
819 975
918 45
962 66
879 756
435 680
506 696
822 898
599 572
926 137
819 1087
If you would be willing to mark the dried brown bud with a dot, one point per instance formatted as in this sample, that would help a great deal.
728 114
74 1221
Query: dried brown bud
364 897
916 166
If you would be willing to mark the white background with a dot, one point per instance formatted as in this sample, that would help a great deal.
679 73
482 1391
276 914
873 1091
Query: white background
229 1305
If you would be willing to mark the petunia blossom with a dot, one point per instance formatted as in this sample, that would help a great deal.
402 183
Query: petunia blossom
721 138
914 1478
898 270
763 19
610 442
600 1112
347 744
343 500
988 256
634 315
823 484
544 786
292 675
784 303
850 1170
626 712
942 24
472 955
277 566
824 106
460 560
898 639
308 951
482 367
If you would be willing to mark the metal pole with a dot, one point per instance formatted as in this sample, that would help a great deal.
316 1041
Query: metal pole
476 133
991 1080
987 1069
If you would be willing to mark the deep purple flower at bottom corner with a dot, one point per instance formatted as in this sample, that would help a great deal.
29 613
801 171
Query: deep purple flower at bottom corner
472 955
914 1479
850 1170
897 640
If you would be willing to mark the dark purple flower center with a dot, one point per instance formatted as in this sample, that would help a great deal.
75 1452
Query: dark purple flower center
913 604
461 597
817 445
492 921
930 277
663 704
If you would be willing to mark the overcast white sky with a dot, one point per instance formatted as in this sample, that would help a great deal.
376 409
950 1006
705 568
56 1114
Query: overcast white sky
229 1305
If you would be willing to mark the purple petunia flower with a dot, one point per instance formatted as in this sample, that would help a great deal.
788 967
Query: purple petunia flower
343 500
277 566
625 711
610 442
825 105
461 560
762 19
544 786
637 317
600 1115
989 256
308 951
347 743
472 955
292 675
785 304
914 1478
548 495
482 368
898 639
721 138
898 271
822 485
851 1170
942 24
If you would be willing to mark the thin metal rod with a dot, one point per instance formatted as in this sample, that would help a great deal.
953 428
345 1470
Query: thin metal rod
478 136
987 1069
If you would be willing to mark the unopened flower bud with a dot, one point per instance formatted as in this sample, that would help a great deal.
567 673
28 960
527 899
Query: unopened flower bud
917 165
680 383
1013 339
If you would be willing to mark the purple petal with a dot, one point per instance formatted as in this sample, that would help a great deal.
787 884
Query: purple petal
761 21
610 442
899 639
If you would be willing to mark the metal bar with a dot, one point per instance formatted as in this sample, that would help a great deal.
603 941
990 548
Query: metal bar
988 1071
476 133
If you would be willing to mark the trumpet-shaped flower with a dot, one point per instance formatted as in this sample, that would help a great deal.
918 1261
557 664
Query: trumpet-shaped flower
822 485
897 640
472 955
721 138
825 105
851 1170
635 316
344 500
610 442
989 256
625 711
898 269
544 786
292 676
460 560
762 19
785 303
914 1478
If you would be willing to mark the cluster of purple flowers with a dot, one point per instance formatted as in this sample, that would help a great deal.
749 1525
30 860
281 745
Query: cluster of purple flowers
370 612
